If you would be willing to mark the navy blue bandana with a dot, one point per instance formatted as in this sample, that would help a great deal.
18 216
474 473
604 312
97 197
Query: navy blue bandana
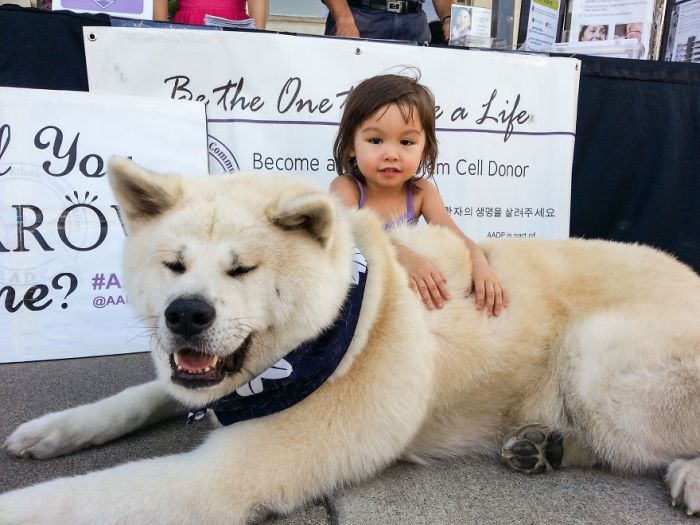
302 370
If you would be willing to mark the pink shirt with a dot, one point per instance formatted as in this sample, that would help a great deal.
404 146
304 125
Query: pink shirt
193 11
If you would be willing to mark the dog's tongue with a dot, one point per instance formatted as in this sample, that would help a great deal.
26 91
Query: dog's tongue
195 360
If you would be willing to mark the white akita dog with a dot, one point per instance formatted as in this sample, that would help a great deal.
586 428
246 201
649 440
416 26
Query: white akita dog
291 318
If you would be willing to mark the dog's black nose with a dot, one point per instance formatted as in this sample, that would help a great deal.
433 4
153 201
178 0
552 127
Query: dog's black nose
189 316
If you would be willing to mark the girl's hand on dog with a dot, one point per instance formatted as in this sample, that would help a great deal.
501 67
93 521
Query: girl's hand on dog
423 278
487 288
428 283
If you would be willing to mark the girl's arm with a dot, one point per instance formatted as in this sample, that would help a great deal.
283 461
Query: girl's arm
346 190
488 289
257 10
423 277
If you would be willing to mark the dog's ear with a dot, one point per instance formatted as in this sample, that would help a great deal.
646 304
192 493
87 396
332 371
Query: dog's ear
313 214
141 194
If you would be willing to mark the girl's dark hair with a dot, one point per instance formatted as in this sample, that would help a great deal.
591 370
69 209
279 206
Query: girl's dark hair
371 95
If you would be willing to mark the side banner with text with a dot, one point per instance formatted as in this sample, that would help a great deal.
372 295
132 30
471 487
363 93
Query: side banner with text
61 232
506 122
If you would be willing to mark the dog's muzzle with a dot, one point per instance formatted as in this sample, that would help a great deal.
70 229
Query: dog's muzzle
187 318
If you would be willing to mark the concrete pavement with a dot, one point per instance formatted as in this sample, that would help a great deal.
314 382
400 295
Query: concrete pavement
463 490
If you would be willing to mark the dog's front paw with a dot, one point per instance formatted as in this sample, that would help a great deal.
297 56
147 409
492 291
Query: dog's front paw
533 449
46 437
683 480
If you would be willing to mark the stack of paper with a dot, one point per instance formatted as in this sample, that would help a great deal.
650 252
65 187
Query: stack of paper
211 20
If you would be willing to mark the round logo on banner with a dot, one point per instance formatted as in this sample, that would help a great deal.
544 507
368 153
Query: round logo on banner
221 158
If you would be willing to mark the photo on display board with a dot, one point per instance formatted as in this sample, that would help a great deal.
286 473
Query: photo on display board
470 26
629 30
682 42
592 33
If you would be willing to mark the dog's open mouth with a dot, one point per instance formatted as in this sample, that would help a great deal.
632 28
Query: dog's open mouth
194 369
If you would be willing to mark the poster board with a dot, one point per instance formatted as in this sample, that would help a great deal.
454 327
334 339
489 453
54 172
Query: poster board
542 25
470 26
61 292
505 123
683 34
138 9
609 20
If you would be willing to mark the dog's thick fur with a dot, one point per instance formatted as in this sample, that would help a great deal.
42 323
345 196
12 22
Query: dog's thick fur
600 343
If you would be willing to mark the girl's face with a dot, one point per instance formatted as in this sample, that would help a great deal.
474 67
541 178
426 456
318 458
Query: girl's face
387 148
594 33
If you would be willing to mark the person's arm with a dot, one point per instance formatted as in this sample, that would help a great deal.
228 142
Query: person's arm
344 21
346 190
443 8
160 10
487 288
257 10
423 277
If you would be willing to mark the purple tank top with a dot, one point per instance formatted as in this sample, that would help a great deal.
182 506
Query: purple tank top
407 218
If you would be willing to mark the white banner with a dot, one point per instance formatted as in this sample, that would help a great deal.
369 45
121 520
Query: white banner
506 122
60 230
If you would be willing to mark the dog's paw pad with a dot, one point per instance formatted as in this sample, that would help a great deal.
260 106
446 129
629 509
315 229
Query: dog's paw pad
533 449
683 480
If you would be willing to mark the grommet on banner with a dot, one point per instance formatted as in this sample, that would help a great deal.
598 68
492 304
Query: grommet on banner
92 37
358 51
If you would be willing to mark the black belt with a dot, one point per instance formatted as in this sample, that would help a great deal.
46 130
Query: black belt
391 6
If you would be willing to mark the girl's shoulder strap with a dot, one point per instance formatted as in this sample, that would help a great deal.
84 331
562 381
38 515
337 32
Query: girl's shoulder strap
409 203
360 187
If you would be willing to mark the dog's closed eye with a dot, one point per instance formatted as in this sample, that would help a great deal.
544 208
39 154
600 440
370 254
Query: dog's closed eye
175 266
240 270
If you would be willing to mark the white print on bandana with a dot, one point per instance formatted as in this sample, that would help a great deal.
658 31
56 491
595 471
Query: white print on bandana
279 370
359 265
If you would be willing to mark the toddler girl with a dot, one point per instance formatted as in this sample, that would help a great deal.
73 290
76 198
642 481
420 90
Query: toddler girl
386 144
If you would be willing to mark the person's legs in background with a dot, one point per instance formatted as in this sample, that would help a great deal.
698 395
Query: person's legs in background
383 25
